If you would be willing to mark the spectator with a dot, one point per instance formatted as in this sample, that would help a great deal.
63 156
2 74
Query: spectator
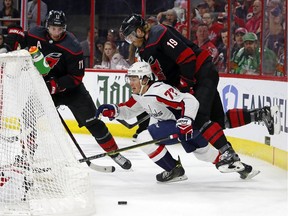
33 13
195 15
169 17
254 24
214 28
215 6
236 21
86 48
8 12
221 59
111 58
274 40
183 30
247 60
180 9
112 36
100 46
243 9
203 8
238 43
204 42
152 20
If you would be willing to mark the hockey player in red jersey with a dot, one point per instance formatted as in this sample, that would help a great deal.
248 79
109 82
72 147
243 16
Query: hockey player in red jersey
172 113
64 81
180 63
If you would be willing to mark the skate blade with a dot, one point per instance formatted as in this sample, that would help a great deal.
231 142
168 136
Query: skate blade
228 168
177 179
252 174
275 113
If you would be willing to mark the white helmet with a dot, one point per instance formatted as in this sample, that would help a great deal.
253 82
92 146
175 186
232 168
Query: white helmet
140 69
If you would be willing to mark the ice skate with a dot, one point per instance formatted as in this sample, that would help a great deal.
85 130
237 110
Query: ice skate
271 118
229 161
122 161
248 172
176 174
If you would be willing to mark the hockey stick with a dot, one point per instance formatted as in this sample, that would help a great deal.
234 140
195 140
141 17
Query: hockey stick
129 126
91 165
156 141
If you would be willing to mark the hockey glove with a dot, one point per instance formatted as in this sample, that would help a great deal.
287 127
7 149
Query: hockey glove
15 37
186 129
53 87
186 85
108 110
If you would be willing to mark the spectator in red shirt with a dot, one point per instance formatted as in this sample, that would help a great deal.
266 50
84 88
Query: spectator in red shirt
203 40
214 28
254 24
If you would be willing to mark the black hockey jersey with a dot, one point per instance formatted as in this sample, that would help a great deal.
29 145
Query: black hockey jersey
65 56
170 54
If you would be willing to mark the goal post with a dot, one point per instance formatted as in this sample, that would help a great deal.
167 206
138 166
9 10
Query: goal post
39 173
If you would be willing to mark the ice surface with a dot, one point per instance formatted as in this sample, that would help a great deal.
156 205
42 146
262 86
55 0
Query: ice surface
207 192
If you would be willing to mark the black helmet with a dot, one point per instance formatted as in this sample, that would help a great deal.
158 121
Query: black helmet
56 18
131 23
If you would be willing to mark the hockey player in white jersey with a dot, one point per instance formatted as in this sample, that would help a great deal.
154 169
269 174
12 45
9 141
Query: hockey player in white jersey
172 113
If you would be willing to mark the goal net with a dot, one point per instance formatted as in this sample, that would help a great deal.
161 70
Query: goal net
39 174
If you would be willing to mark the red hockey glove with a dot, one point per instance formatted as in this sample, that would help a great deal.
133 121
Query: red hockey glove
15 37
186 129
53 87
108 110
186 85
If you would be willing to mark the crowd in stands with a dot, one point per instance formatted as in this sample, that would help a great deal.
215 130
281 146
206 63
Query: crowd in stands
251 42
8 11
210 30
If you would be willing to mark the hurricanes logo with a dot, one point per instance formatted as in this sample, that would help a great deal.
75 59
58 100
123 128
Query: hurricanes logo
53 58
157 70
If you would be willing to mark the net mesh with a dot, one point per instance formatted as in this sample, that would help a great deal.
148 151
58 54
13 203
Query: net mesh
39 174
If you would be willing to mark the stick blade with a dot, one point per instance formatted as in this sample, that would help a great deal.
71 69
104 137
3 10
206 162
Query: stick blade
107 169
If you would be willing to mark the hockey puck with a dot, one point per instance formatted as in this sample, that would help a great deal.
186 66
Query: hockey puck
122 202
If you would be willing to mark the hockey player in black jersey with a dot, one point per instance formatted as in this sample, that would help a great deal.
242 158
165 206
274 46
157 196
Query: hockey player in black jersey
64 81
181 63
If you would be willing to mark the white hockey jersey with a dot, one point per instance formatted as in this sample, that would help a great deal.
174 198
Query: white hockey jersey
162 102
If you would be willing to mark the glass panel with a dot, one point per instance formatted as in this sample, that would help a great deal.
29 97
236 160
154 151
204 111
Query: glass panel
274 41
223 18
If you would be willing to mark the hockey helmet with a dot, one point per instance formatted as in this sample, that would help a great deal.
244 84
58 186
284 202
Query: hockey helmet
131 23
250 36
56 18
141 70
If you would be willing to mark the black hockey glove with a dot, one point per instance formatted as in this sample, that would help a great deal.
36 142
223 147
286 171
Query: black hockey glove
186 85
15 37
53 87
